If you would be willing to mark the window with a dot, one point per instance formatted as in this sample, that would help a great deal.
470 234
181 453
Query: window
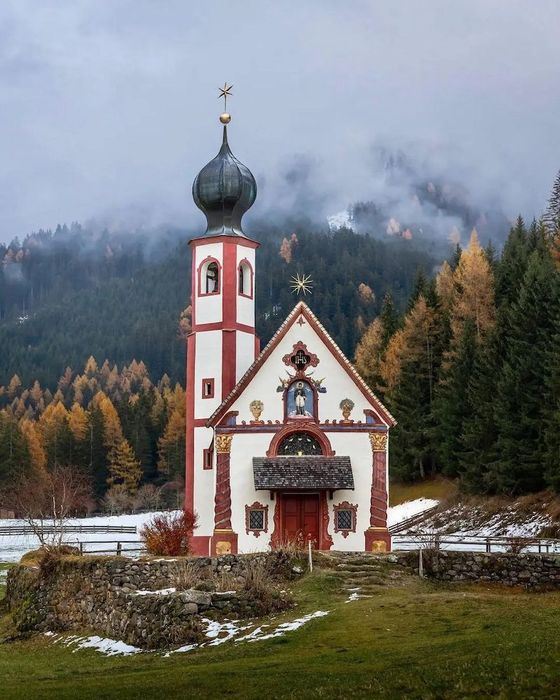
208 459
245 279
207 388
211 279
300 444
256 518
345 518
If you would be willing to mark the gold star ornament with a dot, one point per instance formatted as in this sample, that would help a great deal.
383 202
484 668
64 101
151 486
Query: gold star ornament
301 283
225 92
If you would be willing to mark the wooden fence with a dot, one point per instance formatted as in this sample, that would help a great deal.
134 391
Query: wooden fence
412 521
108 548
14 530
475 543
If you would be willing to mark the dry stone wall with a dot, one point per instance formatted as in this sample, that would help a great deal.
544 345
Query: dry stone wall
527 569
131 600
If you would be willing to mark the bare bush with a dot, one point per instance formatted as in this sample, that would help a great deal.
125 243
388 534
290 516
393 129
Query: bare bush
46 500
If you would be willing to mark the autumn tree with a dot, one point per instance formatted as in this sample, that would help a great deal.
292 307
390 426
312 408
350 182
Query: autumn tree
124 468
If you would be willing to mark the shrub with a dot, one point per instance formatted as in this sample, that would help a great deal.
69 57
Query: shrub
169 535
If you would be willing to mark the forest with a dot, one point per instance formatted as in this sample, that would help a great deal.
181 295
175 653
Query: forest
464 351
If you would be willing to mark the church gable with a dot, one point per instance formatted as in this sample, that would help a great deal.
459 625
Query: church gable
302 375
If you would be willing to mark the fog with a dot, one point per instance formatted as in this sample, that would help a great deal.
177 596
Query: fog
109 109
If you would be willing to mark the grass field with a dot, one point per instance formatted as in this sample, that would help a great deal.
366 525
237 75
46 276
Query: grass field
416 641
438 488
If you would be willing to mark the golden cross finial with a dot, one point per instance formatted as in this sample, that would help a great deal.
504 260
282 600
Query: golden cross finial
301 283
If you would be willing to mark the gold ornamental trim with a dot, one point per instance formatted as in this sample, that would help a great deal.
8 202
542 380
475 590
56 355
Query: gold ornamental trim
223 443
378 442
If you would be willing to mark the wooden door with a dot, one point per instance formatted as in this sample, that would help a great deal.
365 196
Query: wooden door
301 518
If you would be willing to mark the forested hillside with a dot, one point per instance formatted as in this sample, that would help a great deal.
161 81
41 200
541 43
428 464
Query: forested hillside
472 369
67 295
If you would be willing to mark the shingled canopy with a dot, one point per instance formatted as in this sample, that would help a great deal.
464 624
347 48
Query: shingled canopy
305 472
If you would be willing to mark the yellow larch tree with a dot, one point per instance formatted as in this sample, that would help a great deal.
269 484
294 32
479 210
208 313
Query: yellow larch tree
474 292
124 468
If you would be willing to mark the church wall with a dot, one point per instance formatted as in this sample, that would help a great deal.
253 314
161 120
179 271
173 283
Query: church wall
245 349
337 383
357 447
245 305
208 365
244 448
203 482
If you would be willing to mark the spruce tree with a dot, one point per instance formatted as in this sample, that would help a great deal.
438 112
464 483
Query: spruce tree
551 217
451 407
521 397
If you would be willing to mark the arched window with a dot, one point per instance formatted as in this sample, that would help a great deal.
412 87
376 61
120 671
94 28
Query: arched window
245 279
212 278
300 444
209 277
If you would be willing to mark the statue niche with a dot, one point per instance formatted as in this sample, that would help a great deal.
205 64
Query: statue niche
300 400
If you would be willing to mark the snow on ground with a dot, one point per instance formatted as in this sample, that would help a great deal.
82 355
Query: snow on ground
109 647
396 514
12 548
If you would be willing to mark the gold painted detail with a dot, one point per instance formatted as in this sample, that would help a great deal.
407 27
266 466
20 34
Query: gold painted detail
346 406
223 443
379 546
378 442
223 547
256 407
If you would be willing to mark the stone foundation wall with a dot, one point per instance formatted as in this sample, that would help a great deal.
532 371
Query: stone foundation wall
510 569
123 598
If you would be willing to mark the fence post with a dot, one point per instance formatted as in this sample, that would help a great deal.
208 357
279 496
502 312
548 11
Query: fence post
81 547
488 545
119 549
310 556
420 564
436 543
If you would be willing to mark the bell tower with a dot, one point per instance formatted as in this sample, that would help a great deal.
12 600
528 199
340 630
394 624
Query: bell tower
223 343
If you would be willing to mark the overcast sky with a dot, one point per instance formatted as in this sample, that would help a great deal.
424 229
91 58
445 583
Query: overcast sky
108 108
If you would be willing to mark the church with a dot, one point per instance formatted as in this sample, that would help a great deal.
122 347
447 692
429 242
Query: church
286 444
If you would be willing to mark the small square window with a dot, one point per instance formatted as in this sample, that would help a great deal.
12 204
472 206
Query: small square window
208 459
207 388
256 520
344 520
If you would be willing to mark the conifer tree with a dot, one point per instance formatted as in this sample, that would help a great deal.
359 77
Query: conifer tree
551 217
520 400
124 468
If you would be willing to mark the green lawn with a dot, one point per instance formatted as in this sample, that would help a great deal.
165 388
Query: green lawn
420 641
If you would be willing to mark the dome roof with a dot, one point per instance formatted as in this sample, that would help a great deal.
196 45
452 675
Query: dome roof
224 190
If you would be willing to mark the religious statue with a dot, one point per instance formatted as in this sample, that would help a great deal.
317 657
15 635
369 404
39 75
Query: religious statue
300 398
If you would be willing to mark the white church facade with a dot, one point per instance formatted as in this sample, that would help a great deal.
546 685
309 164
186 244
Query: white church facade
284 445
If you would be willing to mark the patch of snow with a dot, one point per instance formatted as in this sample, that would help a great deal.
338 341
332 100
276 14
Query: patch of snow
162 591
109 647
291 626
396 514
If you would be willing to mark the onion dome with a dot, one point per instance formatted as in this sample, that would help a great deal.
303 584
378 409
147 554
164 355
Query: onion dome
224 190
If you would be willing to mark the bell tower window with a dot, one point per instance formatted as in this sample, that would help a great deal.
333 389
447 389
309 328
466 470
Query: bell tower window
245 279
212 278
209 274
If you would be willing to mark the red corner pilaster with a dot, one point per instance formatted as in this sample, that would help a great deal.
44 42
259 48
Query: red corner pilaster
377 537
224 540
